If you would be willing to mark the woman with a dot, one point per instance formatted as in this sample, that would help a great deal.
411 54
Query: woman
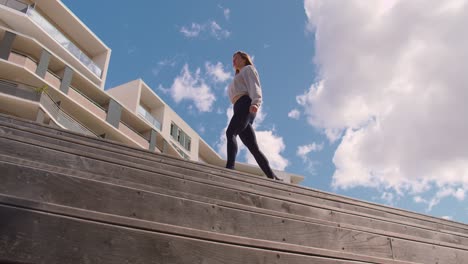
245 94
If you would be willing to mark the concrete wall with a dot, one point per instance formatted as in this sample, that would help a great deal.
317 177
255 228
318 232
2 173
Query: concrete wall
127 94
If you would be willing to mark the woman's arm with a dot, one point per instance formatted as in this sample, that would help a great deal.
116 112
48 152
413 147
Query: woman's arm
253 86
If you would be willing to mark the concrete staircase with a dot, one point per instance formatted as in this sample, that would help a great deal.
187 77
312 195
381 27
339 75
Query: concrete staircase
69 198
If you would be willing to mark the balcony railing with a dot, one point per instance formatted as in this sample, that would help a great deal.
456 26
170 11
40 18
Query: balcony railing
15 4
133 134
54 33
12 88
62 117
148 117
87 102
63 40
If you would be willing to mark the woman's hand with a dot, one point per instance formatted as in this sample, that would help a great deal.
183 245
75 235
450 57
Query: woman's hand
253 109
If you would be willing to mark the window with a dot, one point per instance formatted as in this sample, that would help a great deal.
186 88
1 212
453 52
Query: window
180 136
189 144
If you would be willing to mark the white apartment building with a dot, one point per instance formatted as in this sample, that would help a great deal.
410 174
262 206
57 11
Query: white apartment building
53 70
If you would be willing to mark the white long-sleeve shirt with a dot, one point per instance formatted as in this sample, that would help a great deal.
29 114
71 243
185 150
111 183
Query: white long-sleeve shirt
246 82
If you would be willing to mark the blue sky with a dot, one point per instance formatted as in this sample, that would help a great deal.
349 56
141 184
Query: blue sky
358 98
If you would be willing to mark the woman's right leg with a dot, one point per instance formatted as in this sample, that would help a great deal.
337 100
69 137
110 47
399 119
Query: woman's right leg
239 121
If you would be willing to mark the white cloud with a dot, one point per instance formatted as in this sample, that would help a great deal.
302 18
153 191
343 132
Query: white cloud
192 87
193 31
168 62
303 151
269 143
459 194
211 27
419 199
446 217
222 143
217 31
164 63
388 197
226 12
217 73
391 85
294 114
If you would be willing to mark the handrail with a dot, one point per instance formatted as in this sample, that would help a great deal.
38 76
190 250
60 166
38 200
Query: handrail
62 117
132 129
89 99
24 55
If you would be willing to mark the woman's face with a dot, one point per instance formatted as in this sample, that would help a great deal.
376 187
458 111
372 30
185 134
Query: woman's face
238 62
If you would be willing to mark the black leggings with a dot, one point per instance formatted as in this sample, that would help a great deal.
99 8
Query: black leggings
241 124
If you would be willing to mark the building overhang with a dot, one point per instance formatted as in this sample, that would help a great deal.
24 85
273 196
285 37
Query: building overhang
71 25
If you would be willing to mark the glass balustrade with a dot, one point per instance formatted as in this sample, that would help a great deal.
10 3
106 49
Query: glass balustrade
63 40
15 4
148 117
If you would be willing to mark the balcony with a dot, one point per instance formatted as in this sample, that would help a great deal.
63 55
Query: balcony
23 60
148 117
58 115
13 89
15 4
50 29
134 135
31 64
63 40
62 118
87 103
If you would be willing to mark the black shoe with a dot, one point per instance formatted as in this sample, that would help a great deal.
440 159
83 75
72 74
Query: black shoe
275 178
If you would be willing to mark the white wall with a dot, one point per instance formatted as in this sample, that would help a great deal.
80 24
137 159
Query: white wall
127 94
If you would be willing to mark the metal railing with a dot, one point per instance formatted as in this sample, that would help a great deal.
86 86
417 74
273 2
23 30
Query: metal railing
137 136
12 88
87 98
148 117
62 117
62 39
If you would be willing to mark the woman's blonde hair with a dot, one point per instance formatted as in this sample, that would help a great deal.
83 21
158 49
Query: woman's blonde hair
245 56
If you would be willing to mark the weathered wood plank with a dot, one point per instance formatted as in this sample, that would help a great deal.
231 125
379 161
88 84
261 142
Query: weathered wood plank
46 187
348 203
41 237
426 236
443 239
295 191
184 185
111 199
417 252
